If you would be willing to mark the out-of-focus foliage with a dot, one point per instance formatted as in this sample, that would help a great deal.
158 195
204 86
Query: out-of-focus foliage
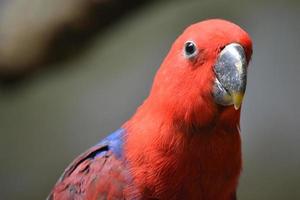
56 113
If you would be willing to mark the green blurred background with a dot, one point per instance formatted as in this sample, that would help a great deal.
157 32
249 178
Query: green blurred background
73 71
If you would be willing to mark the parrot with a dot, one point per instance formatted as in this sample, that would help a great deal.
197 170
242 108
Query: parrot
184 141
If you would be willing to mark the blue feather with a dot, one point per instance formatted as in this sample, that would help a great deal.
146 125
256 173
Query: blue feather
114 141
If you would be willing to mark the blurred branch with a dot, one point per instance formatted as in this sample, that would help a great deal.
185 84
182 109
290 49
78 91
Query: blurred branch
35 34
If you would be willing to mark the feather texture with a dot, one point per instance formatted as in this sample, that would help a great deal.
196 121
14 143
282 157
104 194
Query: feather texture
99 173
179 144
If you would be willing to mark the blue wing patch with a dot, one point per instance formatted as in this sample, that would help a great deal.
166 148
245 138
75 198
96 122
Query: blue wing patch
114 142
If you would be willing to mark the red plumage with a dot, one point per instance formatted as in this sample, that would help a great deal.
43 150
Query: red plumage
92 177
180 144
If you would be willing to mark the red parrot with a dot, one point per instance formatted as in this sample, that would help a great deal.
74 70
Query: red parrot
183 142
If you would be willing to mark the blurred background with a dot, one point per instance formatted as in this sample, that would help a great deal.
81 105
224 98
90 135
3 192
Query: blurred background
73 71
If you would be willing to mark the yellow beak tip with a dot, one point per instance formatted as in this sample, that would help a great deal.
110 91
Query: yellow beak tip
236 107
237 99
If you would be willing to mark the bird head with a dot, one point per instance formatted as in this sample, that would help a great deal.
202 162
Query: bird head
204 73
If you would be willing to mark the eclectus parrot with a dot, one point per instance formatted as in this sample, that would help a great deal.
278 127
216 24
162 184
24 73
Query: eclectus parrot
183 142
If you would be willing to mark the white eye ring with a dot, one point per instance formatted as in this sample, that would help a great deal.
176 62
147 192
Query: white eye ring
190 49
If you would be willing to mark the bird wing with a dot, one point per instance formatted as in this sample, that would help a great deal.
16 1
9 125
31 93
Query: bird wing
96 174
233 196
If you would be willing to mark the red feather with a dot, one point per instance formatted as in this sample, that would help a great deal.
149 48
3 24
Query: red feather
180 144
92 177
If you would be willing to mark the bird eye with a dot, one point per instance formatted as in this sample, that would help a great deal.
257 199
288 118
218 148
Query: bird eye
190 49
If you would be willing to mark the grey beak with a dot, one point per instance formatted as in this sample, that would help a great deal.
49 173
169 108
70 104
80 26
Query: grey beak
231 76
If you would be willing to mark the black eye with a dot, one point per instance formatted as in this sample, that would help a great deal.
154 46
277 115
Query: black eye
190 49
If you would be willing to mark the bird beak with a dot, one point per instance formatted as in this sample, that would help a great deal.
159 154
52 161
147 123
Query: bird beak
231 76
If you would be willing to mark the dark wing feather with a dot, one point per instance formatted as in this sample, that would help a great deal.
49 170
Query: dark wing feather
233 196
96 174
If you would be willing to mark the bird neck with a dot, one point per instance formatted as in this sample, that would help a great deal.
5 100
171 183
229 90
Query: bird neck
160 150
